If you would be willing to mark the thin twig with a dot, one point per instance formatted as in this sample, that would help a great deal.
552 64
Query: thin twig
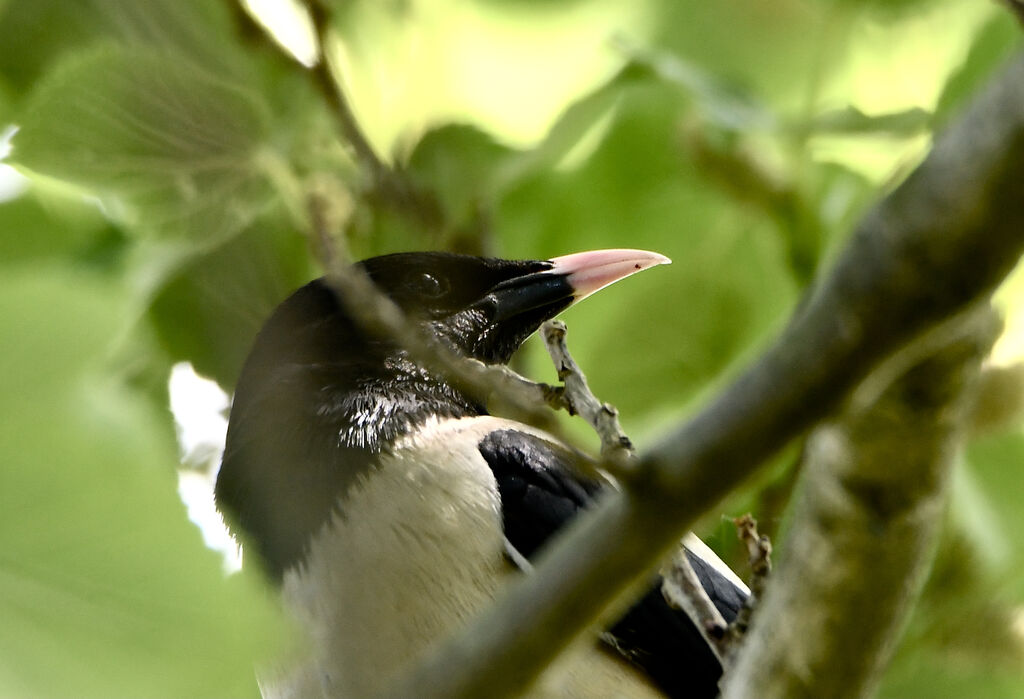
331 90
759 551
682 589
386 185
577 398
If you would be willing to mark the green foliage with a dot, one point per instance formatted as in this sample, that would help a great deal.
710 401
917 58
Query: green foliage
107 590
169 147
171 152
210 309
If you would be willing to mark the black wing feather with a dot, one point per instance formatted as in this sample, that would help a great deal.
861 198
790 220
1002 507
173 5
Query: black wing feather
540 491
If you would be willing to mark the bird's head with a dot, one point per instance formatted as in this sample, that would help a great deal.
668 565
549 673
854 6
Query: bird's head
487 307
319 397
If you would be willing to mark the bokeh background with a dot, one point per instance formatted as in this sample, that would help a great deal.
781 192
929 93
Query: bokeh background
158 159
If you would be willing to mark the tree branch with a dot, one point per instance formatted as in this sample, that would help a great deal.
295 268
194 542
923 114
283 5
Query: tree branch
333 94
942 239
871 501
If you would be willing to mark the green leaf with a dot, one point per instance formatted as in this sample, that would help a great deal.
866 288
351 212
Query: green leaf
994 464
725 104
105 588
470 171
39 225
850 120
168 147
994 43
652 342
35 33
209 312
459 162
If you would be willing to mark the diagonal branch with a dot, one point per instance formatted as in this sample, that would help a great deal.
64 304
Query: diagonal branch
871 501
941 240
682 589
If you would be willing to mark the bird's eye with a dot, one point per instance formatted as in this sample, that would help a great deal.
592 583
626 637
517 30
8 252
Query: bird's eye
430 286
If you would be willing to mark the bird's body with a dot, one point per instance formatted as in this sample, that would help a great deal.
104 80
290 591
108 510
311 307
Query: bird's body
392 509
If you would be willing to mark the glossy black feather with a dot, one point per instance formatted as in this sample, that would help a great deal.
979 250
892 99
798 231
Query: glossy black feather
314 406
541 491
318 398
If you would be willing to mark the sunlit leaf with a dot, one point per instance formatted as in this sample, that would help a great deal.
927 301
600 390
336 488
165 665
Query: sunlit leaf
35 33
727 285
723 103
168 147
850 120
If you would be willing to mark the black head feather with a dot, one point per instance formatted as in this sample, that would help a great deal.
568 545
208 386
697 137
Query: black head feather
318 398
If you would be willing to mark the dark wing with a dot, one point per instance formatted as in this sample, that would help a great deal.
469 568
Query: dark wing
540 491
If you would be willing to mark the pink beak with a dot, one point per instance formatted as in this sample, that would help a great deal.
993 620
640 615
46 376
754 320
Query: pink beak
593 270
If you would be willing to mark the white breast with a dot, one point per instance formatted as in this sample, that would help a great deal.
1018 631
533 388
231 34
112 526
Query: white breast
418 552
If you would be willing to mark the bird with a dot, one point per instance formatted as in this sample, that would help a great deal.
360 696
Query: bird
389 508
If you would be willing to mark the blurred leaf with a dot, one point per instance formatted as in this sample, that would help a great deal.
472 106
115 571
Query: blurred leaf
723 103
938 676
886 8
32 32
653 341
168 147
779 47
992 45
35 33
459 163
470 170
209 312
962 637
36 227
105 588
850 120
994 463
509 69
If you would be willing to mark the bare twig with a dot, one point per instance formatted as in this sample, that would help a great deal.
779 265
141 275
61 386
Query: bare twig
387 184
331 90
682 590
577 398
941 240
759 551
